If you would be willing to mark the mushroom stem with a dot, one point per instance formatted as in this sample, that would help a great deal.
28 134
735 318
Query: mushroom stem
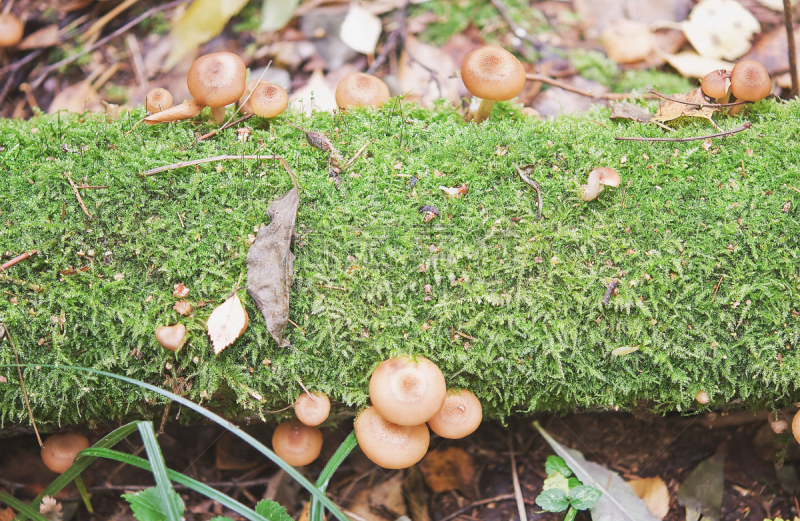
484 110
180 112
84 494
218 114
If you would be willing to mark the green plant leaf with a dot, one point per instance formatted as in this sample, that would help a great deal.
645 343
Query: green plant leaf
148 505
583 497
701 492
557 481
170 502
557 464
16 504
553 500
177 477
275 14
272 511
574 482
317 511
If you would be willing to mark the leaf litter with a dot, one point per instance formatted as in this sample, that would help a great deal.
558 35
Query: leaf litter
226 323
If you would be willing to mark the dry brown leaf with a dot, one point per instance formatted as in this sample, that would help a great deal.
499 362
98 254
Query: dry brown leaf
183 307
45 37
672 110
80 97
628 110
627 41
181 291
449 469
720 29
389 494
454 192
654 492
226 323
7 514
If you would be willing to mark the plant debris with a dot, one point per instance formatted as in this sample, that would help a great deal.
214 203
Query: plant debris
226 323
428 212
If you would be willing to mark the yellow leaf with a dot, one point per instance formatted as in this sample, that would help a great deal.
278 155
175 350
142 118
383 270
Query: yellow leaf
204 20
671 110
226 323
654 492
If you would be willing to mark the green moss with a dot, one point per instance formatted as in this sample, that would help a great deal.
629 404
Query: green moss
704 242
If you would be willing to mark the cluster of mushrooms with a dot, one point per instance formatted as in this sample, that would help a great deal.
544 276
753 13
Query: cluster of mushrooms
748 81
405 393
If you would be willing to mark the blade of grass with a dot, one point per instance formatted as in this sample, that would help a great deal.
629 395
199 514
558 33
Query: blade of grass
169 498
347 446
177 477
80 463
219 420
16 504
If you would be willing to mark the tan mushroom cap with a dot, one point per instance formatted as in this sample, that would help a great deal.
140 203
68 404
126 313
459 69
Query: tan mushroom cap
796 427
715 84
59 450
171 338
459 416
407 392
158 99
598 178
361 89
216 79
11 30
750 81
492 73
312 411
268 100
389 445
297 444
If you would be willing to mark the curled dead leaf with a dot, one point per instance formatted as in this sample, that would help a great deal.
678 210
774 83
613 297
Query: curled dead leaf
181 291
183 307
454 192
226 323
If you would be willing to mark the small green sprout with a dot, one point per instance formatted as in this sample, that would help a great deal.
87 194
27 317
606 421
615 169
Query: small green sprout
562 492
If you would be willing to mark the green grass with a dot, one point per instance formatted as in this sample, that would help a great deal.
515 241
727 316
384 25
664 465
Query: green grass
706 255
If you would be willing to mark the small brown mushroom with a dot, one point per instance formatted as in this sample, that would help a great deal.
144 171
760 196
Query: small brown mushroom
459 416
702 397
407 391
11 30
598 179
777 421
750 81
717 85
268 100
796 426
297 444
492 74
360 89
171 338
216 80
157 99
312 410
389 445
59 450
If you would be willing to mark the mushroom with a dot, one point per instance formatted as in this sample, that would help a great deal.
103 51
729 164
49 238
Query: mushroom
312 409
777 421
750 81
171 338
459 416
268 100
59 450
361 89
244 99
216 80
387 444
11 30
796 426
186 110
492 74
157 99
717 85
407 391
702 397
297 444
598 179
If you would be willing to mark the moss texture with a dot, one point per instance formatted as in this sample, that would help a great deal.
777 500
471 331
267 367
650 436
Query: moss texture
703 239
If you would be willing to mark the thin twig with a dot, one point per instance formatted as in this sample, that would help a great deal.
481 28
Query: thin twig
515 479
352 159
609 291
787 18
332 287
78 195
292 322
583 92
22 384
101 22
462 335
223 127
16 259
716 288
480 502
695 103
684 139
99 43
795 189
313 398
82 187
180 218
533 184
224 157
391 41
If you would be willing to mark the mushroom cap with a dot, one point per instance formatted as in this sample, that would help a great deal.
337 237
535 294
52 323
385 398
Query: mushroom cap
599 177
59 450
796 427
157 100
297 444
750 81
361 89
244 101
715 84
11 30
268 100
310 411
492 73
702 397
171 337
407 392
389 445
216 79
459 416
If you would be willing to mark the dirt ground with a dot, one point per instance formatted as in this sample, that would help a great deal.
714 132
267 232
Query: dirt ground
468 479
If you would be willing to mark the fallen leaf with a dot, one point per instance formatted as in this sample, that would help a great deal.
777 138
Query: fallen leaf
183 307
624 350
772 50
275 14
80 97
454 192
654 493
7 514
701 492
628 110
627 41
619 501
449 469
428 212
314 95
226 323
45 37
360 29
672 110
720 29
692 65
385 497
270 264
429 76
181 291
